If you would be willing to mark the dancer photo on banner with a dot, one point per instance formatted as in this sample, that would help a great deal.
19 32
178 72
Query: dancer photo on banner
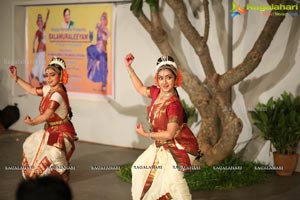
37 72
82 35
97 54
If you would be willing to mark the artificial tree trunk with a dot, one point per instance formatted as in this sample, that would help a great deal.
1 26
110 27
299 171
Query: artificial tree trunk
220 127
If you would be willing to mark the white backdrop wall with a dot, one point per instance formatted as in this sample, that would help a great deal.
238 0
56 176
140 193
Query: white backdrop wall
276 73
112 121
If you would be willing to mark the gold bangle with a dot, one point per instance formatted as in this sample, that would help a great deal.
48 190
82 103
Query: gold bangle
151 135
130 72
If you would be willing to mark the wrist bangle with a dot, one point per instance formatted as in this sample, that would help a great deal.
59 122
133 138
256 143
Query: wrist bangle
130 72
17 78
151 135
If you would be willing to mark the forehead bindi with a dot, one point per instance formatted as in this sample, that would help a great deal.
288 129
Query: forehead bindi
165 72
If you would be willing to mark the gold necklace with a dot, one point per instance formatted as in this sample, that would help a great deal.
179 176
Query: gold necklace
166 95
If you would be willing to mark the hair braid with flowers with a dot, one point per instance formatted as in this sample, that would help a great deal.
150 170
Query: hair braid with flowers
59 65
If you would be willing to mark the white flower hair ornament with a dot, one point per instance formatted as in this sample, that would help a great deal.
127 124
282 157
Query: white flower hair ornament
58 61
59 65
165 60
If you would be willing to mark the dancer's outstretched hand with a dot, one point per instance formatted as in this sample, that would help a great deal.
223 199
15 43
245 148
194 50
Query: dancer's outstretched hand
129 59
28 120
140 130
13 72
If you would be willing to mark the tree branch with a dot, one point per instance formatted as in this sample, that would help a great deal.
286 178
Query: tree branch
206 29
192 35
154 27
253 58
144 21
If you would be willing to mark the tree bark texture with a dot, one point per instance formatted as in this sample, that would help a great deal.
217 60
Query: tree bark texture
220 127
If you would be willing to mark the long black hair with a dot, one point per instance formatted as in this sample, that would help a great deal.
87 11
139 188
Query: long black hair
70 114
58 64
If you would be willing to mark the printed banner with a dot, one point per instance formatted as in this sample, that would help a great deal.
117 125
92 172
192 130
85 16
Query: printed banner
82 36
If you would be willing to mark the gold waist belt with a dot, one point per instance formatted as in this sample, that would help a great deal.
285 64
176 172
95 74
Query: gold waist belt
159 143
56 123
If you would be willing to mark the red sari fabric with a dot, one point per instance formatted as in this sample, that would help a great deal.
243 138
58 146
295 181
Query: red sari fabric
64 128
57 130
172 111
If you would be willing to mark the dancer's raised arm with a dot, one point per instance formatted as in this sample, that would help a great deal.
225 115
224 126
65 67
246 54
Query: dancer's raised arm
25 85
137 83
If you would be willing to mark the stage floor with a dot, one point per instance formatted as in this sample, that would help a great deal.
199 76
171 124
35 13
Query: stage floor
87 181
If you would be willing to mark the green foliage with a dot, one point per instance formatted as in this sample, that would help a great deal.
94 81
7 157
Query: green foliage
137 6
125 172
232 173
279 121
191 113
153 5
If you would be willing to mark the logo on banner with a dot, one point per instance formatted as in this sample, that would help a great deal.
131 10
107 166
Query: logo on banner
237 10
266 9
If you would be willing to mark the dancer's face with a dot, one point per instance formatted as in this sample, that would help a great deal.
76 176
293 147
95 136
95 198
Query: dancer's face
166 80
52 77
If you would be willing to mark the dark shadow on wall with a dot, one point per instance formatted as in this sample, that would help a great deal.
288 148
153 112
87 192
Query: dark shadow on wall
4 93
138 111
244 28
175 37
253 88
221 29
